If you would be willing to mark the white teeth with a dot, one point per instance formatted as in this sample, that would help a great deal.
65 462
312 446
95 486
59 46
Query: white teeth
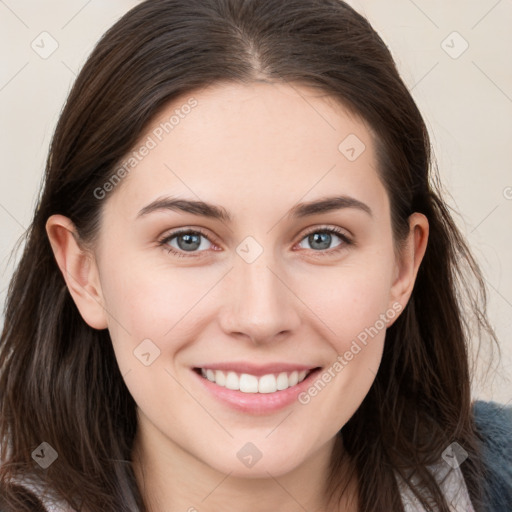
232 381
247 383
282 381
220 378
267 384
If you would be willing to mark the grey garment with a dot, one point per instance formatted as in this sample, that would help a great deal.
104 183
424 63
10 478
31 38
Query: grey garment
494 423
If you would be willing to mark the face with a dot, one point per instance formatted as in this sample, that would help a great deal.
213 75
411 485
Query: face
272 291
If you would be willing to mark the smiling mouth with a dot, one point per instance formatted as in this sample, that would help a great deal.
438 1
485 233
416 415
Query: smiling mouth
247 383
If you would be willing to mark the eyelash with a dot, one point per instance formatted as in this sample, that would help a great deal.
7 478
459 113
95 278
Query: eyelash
331 230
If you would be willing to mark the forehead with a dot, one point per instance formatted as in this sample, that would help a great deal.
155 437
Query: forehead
259 144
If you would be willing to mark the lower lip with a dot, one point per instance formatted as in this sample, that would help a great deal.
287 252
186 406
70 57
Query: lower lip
257 403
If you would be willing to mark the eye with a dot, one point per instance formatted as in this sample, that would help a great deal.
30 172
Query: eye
321 238
187 241
194 241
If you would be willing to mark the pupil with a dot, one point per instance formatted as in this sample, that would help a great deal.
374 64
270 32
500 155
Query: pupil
317 238
189 241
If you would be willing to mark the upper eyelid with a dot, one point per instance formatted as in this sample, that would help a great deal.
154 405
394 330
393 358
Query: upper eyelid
334 229
182 231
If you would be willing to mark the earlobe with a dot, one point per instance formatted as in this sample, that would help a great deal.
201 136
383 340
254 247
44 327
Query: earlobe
410 259
78 269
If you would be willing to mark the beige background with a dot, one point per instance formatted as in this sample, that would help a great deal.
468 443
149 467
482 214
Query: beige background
454 55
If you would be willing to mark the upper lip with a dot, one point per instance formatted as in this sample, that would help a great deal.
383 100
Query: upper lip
255 369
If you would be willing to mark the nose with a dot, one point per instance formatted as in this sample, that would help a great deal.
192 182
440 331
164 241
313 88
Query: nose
260 305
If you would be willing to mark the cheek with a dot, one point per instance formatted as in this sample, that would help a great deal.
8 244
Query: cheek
350 299
149 309
152 303
149 300
355 311
352 302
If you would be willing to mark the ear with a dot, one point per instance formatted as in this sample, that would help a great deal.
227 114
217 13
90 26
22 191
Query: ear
408 262
79 270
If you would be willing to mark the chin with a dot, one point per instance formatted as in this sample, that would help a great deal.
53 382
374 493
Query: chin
250 463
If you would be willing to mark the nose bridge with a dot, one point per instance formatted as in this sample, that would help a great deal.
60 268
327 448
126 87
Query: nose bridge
258 303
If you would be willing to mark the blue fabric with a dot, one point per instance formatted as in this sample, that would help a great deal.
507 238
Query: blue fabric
494 424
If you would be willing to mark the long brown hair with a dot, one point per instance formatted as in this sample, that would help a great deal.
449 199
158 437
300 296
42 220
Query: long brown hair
59 380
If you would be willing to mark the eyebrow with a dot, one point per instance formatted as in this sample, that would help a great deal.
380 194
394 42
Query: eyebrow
323 205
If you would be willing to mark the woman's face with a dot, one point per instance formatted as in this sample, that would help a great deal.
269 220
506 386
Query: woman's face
265 288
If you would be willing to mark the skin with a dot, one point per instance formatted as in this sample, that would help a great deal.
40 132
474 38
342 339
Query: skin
256 150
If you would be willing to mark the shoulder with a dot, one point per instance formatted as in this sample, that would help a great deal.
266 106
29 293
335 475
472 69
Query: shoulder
493 422
451 484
